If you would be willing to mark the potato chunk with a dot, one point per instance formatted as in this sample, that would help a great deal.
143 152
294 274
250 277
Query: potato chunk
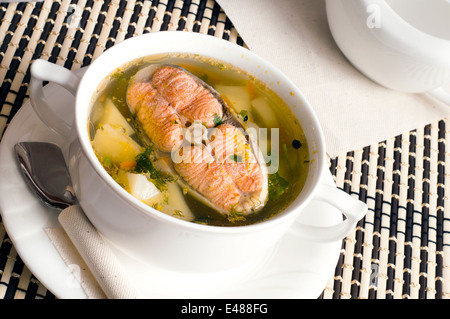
113 142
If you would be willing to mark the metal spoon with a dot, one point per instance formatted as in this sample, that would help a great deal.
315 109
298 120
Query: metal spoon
45 171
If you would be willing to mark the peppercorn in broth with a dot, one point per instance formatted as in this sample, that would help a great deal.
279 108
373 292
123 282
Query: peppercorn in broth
161 127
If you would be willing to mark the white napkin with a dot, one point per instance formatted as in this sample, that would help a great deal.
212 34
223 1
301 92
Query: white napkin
354 111
100 274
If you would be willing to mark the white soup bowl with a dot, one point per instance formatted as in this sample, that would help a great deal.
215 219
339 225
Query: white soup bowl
154 236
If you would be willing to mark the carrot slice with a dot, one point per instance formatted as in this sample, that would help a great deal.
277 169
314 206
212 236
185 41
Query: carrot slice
127 165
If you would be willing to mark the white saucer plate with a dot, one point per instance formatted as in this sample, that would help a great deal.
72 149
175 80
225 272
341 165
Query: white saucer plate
296 269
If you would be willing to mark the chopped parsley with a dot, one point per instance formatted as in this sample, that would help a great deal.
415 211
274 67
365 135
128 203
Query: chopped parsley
144 165
235 216
236 158
118 75
178 212
244 115
106 161
277 186
143 162
217 120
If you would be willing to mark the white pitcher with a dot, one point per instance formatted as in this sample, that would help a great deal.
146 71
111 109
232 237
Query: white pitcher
401 44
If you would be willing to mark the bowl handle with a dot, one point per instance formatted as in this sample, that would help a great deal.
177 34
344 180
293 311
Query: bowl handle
352 208
42 70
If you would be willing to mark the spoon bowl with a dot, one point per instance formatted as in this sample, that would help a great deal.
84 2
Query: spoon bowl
45 171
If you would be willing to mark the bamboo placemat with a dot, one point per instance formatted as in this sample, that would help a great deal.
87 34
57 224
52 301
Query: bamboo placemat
399 250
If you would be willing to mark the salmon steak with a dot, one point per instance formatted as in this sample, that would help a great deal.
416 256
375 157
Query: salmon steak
224 169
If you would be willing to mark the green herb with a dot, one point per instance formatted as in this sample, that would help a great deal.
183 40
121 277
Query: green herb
217 120
144 165
118 75
108 165
244 115
107 161
143 162
277 186
140 135
178 212
235 216
236 158
118 94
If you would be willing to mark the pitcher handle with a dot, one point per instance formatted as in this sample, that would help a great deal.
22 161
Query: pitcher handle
352 208
42 70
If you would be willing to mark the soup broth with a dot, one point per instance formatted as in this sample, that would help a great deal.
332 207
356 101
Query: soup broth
132 159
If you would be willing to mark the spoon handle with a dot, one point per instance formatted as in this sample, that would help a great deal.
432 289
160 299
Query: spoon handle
97 254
